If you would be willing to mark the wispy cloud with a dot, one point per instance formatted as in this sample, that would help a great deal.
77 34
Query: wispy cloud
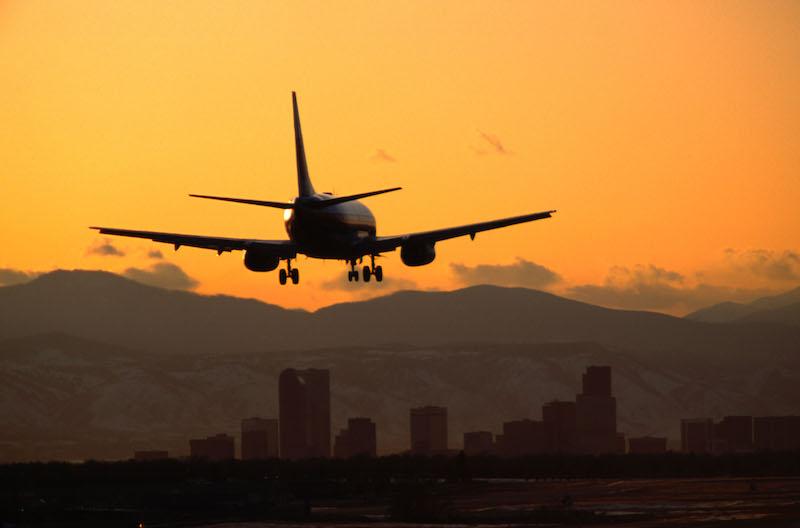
493 142
654 288
104 248
520 273
767 264
163 275
382 155
155 254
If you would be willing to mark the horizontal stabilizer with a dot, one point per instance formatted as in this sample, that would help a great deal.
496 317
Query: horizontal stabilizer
342 199
277 205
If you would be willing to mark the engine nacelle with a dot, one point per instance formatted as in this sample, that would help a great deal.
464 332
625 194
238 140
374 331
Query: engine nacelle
255 260
418 254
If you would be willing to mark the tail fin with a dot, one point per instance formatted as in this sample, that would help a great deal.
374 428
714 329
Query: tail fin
304 187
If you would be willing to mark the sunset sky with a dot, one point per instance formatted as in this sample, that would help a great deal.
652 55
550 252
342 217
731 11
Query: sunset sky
666 134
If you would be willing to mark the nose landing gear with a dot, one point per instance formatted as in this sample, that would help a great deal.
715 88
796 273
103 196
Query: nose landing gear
289 273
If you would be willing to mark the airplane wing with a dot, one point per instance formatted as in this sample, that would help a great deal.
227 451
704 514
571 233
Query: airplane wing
390 243
278 248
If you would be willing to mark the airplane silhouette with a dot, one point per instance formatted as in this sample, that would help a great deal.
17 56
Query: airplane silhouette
324 226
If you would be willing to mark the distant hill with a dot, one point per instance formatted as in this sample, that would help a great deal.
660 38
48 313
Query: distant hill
104 307
63 397
783 309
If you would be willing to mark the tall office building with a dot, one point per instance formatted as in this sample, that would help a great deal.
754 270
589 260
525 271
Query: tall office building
522 437
560 426
697 435
777 433
429 430
478 443
733 434
259 438
596 414
358 439
305 413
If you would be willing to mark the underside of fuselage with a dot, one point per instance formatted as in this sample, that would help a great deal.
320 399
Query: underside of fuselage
336 232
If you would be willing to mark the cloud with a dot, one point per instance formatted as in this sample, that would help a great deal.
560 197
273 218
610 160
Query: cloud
521 273
494 143
163 275
654 288
104 248
382 155
767 264
9 277
155 254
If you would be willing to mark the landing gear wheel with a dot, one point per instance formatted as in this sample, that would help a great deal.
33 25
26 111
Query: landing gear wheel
367 273
378 273
349 276
282 276
295 276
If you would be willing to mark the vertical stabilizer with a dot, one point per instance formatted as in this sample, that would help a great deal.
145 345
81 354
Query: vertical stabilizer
304 187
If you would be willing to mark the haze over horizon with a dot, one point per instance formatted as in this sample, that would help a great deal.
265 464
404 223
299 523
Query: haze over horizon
665 134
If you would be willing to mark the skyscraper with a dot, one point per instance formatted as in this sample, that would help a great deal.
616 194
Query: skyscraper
697 435
259 438
522 437
358 439
560 425
428 430
478 443
777 433
305 413
733 434
596 413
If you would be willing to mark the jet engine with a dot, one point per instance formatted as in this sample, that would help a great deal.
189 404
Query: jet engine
256 260
417 254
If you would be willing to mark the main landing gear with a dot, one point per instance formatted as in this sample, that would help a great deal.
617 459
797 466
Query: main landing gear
368 271
289 273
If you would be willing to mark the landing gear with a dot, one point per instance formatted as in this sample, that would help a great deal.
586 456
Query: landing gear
289 273
352 275
367 272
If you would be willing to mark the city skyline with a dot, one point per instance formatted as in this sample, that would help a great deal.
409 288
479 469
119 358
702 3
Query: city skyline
586 426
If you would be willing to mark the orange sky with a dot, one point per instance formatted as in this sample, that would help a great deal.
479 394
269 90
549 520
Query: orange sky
665 133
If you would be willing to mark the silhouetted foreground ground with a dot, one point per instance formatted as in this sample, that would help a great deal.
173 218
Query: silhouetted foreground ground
660 490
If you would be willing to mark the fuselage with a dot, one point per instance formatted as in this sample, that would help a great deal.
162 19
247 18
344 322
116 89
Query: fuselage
332 232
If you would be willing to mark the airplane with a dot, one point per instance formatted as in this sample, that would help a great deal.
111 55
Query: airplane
324 226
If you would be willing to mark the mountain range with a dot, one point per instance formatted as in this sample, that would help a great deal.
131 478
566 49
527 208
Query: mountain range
783 308
92 364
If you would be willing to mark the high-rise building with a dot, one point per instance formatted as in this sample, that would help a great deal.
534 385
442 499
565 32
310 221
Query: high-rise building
428 430
560 425
478 443
733 434
647 445
697 435
305 413
358 439
259 438
217 447
596 413
597 381
777 433
523 437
